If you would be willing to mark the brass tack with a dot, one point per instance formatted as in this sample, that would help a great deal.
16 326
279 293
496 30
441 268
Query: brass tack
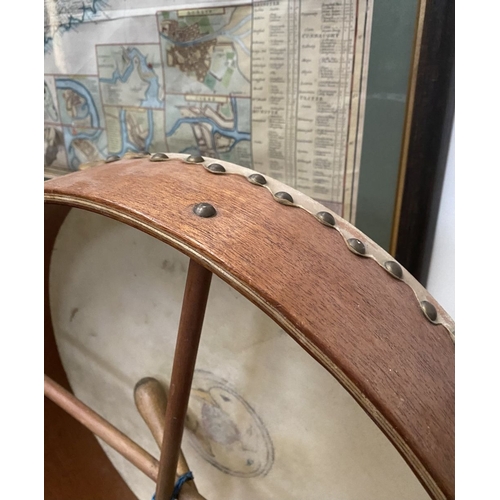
216 168
257 179
394 268
158 157
326 218
204 210
283 197
430 311
356 246
195 159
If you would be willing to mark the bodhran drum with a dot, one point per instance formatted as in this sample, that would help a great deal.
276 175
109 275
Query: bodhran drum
265 419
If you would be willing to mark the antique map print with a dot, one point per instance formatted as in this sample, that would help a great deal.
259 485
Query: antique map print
278 86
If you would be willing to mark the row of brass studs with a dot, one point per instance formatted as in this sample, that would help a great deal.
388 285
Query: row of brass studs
326 218
353 244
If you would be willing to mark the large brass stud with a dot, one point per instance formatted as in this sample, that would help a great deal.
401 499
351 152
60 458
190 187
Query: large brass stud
204 210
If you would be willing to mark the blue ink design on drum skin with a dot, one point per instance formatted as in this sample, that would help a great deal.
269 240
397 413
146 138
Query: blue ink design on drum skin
226 430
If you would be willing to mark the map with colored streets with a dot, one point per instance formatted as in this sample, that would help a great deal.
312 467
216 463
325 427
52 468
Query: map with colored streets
131 82
190 92
130 75
205 54
81 118
216 126
134 129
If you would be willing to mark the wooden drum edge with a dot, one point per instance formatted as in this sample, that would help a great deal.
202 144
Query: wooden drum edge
58 196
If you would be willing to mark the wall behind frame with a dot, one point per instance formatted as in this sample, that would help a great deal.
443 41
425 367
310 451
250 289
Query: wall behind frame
441 280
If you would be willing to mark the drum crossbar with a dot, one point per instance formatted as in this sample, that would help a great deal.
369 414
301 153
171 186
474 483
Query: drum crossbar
186 349
102 428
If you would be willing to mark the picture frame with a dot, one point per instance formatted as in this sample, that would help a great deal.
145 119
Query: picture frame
404 160
428 129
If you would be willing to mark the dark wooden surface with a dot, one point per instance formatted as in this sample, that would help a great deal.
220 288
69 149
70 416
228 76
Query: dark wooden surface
363 325
430 132
75 466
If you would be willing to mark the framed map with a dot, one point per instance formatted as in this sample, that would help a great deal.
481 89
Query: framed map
316 94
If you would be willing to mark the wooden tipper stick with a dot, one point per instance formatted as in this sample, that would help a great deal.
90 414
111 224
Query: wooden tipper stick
151 401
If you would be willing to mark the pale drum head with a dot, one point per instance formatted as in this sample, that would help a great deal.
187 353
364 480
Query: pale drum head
265 420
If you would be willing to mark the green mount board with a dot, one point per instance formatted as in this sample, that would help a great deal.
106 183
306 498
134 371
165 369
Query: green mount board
393 30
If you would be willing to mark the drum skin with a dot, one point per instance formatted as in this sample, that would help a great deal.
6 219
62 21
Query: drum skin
74 463
365 327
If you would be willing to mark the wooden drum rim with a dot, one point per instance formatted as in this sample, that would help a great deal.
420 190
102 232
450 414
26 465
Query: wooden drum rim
384 338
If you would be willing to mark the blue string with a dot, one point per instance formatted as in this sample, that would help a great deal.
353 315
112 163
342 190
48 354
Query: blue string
178 485
188 476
